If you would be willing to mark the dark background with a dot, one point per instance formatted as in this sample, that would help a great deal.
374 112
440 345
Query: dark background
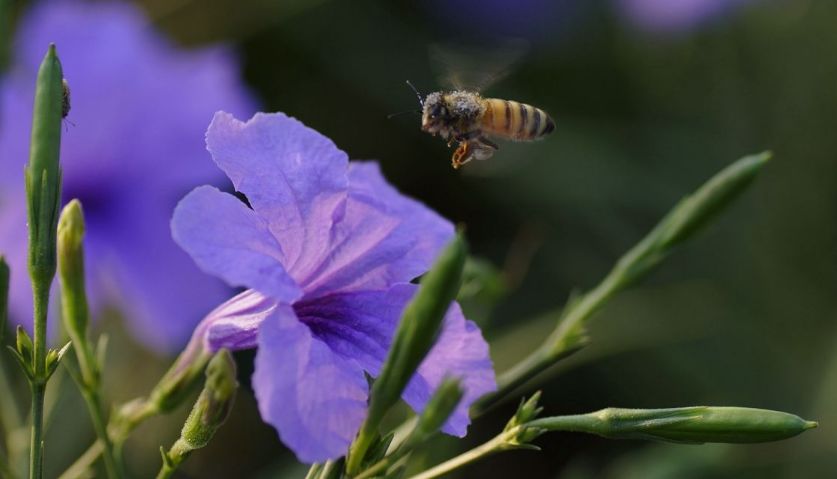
744 315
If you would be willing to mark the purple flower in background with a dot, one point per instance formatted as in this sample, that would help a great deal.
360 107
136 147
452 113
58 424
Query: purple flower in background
674 15
133 147
504 20
328 250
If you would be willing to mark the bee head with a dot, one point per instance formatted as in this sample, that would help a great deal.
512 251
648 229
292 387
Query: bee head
434 113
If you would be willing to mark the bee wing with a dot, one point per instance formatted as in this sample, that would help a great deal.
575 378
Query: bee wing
475 68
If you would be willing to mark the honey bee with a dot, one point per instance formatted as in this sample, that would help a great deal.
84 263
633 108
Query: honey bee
465 117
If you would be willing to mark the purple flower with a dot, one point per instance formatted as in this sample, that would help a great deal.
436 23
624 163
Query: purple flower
328 251
674 15
503 19
131 148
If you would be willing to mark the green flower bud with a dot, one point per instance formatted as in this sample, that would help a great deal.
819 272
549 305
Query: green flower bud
703 424
416 333
208 414
418 328
698 424
23 351
691 215
43 174
214 404
73 296
696 210
24 344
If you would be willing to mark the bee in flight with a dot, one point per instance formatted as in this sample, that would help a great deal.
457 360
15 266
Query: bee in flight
465 117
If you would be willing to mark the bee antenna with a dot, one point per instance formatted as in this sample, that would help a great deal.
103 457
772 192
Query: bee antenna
392 115
420 98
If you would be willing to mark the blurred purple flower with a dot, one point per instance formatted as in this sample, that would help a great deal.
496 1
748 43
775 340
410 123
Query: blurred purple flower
674 15
504 19
329 249
132 148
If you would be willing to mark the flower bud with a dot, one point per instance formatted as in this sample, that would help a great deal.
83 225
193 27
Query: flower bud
71 272
419 326
209 412
43 174
696 210
703 424
416 333
24 344
214 403
698 424
690 216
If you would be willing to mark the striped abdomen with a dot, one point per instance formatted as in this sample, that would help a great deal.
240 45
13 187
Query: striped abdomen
515 120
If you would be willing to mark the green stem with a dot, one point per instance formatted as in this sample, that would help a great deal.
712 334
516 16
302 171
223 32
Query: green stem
688 217
359 447
331 469
314 471
384 464
172 389
36 444
38 382
165 472
494 445
97 416
171 462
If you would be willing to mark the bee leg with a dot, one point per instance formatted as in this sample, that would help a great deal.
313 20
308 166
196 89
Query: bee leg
462 155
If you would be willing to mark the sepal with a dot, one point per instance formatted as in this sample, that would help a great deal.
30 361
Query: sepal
54 357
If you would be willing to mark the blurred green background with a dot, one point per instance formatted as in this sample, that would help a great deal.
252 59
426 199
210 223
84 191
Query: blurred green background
745 315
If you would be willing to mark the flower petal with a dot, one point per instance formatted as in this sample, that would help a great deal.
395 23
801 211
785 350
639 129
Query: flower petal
384 238
227 239
315 398
459 352
357 325
235 324
360 325
294 177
